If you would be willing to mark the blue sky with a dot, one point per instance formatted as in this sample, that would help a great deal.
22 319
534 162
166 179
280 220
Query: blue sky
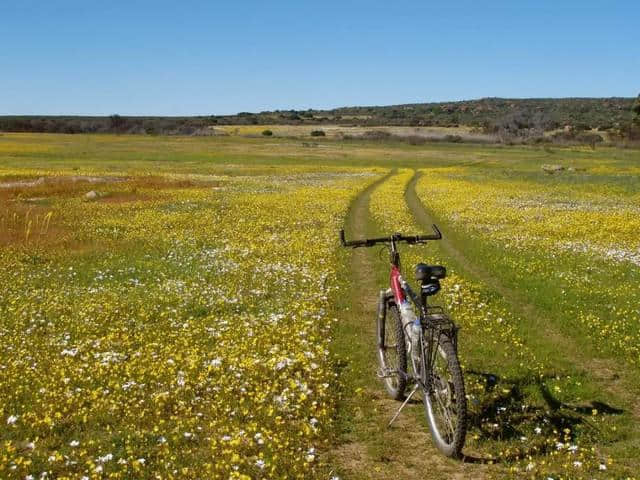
196 57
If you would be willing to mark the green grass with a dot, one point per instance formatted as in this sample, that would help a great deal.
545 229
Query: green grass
557 368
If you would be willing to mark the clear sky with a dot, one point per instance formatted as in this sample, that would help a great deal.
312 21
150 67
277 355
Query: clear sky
212 57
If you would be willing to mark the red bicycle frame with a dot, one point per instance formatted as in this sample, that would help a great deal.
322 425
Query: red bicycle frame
395 279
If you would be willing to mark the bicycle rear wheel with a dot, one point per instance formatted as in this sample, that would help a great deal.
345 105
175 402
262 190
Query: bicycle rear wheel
445 402
392 354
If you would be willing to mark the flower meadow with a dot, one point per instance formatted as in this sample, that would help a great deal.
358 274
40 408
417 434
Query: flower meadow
513 390
572 238
170 327
180 307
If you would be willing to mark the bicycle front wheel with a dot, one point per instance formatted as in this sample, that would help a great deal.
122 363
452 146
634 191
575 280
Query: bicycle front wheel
445 402
392 354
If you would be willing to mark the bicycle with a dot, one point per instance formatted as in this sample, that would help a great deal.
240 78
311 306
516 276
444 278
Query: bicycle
412 333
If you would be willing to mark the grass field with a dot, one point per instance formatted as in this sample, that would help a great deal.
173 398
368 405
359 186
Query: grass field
195 317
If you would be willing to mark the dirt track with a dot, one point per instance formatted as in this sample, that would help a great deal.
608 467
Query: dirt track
371 450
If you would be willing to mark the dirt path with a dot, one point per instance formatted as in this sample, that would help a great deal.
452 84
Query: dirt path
370 450
609 374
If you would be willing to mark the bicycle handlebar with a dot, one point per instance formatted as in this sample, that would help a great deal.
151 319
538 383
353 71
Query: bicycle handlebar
396 237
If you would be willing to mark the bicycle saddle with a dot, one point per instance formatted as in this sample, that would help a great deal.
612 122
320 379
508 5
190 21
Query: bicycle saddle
425 273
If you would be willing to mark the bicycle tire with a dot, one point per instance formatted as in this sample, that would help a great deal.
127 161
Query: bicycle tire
451 441
392 353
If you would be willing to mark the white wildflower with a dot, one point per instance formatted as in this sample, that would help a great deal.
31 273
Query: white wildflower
216 362
105 458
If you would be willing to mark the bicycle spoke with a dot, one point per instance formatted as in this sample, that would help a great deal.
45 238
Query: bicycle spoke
442 400
391 355
446 416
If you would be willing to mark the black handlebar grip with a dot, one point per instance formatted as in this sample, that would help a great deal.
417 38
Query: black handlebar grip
369 242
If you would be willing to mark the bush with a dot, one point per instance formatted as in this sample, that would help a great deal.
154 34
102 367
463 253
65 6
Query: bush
118 124
590 138
415 140
267 133
317 133
574 137
538 140
636 111
521 124
376 135
631 132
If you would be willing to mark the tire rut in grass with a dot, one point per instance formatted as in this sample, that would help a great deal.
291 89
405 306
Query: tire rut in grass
368 449
605 372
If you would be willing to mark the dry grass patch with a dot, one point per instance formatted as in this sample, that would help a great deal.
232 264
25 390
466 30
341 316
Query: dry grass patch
28 224
39 187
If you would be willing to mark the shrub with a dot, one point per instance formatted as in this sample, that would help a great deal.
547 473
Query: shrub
538 140
117 123
574 136
317 133
415 140
522 123
589 138
376 135
636 111
267 133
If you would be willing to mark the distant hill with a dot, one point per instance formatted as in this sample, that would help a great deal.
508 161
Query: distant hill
591 112
486 113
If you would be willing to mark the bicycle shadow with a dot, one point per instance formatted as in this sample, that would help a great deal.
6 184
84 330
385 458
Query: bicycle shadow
505 413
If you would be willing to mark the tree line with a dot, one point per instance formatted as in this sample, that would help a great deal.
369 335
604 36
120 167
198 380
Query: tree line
506 119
